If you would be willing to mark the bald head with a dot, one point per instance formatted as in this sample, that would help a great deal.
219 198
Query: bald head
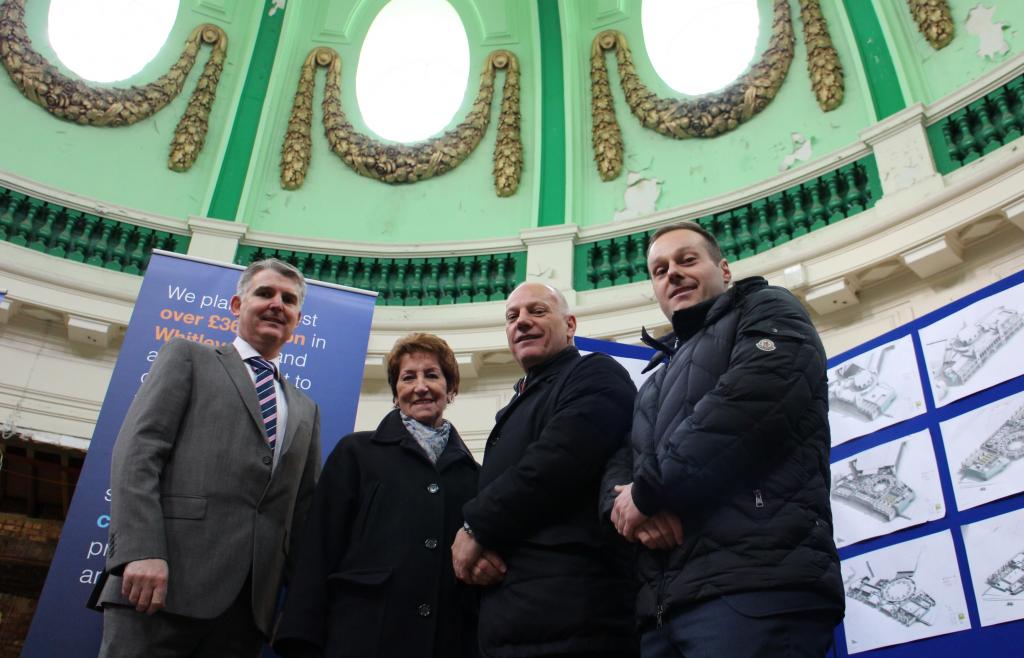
538 323
558 299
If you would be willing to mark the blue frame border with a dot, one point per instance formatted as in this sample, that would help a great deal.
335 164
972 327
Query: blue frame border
1002 639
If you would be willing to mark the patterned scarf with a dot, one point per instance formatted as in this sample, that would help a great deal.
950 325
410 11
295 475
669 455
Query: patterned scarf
432 439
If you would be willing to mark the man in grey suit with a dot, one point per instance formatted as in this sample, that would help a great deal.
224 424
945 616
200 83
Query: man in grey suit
212 474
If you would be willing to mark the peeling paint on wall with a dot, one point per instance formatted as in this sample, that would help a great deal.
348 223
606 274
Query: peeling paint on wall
641 197
801 151
982 24
275 5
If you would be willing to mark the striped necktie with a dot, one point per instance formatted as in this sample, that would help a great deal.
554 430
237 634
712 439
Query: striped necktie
266 393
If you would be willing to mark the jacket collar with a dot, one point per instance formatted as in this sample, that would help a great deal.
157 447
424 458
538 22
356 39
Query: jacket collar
546 369
664 348
238 372
688 321
391 430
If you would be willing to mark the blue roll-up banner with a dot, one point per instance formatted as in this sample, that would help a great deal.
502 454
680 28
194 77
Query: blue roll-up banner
188 298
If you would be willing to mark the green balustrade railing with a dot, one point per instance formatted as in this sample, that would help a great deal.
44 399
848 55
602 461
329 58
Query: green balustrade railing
80 236
408 281
743 231
979 128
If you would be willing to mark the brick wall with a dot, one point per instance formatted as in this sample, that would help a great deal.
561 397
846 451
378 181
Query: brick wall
26 549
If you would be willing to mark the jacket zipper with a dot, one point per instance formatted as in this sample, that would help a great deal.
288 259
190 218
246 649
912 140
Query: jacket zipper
660 610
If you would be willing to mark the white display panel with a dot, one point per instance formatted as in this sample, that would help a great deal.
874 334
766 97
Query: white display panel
977 347
985 452
874 390
903 593
995 554
886 488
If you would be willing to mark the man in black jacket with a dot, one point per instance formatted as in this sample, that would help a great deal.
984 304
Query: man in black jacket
730 438
564 586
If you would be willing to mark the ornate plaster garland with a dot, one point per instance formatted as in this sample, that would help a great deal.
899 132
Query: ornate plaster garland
934 19
823 67
72 99
400 163
711 114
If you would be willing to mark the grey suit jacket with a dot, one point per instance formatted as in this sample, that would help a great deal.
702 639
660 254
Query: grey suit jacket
191 483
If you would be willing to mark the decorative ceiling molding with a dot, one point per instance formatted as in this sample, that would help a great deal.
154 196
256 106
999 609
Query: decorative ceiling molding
704 116
222 10
609 12
336 18
400 163
498 22
73 100
712 114
935 21
823 66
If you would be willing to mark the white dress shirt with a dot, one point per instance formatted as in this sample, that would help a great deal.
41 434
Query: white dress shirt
246 351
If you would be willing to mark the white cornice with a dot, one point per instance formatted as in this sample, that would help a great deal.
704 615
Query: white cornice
983 189
217 227
87 204
68 287
894 124
383 250
974 90
548 234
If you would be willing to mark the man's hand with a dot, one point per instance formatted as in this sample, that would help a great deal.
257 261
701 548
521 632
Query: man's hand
144 583
474 564
626 518
489 569
661 532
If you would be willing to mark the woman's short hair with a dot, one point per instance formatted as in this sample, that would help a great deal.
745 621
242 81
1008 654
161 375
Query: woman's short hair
427 344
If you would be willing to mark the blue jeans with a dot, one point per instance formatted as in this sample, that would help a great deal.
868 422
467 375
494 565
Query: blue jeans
716 629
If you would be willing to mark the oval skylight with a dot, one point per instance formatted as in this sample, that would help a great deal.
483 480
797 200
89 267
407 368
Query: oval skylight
413 69
699 46
109 40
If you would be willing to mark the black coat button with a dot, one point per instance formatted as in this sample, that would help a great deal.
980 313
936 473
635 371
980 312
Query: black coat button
268 460
424 610
433 487
430 543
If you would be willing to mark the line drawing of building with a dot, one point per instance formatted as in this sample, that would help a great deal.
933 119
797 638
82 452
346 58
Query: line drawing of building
897 597
998 451
857 390
973 345
880 493
1009 578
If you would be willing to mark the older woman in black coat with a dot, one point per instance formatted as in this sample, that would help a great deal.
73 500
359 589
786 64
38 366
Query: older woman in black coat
373 575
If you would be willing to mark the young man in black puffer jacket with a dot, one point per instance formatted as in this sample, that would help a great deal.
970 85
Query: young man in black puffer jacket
727 483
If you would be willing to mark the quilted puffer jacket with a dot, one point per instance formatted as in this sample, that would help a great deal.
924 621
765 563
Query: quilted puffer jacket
731 434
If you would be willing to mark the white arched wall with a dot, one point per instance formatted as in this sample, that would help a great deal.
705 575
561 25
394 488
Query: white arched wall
931 239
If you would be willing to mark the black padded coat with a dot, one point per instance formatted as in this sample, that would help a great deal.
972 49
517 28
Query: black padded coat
731 433
569 586
373 576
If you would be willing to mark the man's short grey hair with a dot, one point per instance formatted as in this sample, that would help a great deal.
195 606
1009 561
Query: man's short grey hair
563 304
287 270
